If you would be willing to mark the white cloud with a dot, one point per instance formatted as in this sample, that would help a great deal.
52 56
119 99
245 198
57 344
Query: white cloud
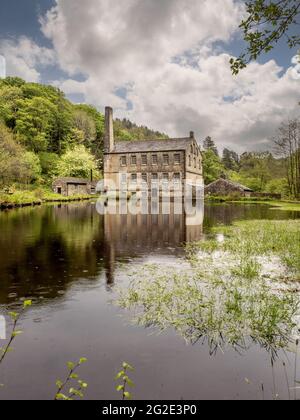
163 55
24 57
2 67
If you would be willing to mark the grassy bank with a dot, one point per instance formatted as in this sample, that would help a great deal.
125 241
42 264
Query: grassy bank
281 205
36 197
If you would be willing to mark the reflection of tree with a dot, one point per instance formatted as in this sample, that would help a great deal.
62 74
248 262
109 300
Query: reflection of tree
44 249
226 214
220 312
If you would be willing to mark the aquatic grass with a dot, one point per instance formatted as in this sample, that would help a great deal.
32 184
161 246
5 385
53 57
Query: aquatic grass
229 295
248 268
250 239
223 312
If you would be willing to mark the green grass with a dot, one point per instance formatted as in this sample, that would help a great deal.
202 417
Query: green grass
36 197
237 291
252 239
217 310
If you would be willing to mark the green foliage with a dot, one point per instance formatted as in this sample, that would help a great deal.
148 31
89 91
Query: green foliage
235 292
209 144
213 168
277 186
34 166
15 163
126 130
48 162
230 160
77 162
77 386
126 381
15 317
266 23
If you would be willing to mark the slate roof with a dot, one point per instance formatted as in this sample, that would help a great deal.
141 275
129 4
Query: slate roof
77 181
164 145
233 184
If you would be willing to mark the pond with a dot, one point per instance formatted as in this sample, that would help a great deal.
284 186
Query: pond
71 262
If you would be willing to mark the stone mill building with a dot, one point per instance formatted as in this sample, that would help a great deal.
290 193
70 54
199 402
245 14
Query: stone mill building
135 163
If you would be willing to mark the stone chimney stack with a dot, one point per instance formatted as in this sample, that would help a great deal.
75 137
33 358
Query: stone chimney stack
109 142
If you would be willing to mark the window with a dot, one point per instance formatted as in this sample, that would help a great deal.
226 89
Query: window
124 178
190 160
166 159
154 159
133 160
195 163
144 177
154 177
165 177
192 149
177 177
134 177
177 159
144 160
123 161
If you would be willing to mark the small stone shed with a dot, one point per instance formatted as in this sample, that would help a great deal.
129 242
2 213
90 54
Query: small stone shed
225 187
74 186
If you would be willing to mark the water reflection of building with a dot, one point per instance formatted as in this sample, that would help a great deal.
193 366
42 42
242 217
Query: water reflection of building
151 232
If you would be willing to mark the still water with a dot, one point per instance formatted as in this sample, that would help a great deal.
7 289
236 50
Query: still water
70 260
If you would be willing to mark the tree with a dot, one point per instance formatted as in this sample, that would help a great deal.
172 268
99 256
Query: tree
85 124
16 165
33 166
267 22
212 167
209 144
255 167
35 123
287 145
230 160
77 162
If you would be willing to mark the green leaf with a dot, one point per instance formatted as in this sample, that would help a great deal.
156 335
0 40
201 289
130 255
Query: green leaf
71 365
15 333
119 375
13 315
59 383
61 397
120 388
127 395
127 366
27 303
82 360
130 383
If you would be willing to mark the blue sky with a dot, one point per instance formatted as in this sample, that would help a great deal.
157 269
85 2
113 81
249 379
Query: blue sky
122 54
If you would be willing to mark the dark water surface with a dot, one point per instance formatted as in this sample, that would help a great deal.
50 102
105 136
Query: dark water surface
68 260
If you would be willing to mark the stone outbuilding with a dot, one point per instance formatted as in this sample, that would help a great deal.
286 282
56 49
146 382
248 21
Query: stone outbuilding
74 186
223 187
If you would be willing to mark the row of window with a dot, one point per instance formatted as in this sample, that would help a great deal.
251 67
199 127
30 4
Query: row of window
154 177
154 159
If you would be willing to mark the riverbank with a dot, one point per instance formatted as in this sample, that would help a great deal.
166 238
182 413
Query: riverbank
36 198
286 205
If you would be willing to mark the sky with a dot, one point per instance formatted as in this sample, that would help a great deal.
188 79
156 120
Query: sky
164 64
